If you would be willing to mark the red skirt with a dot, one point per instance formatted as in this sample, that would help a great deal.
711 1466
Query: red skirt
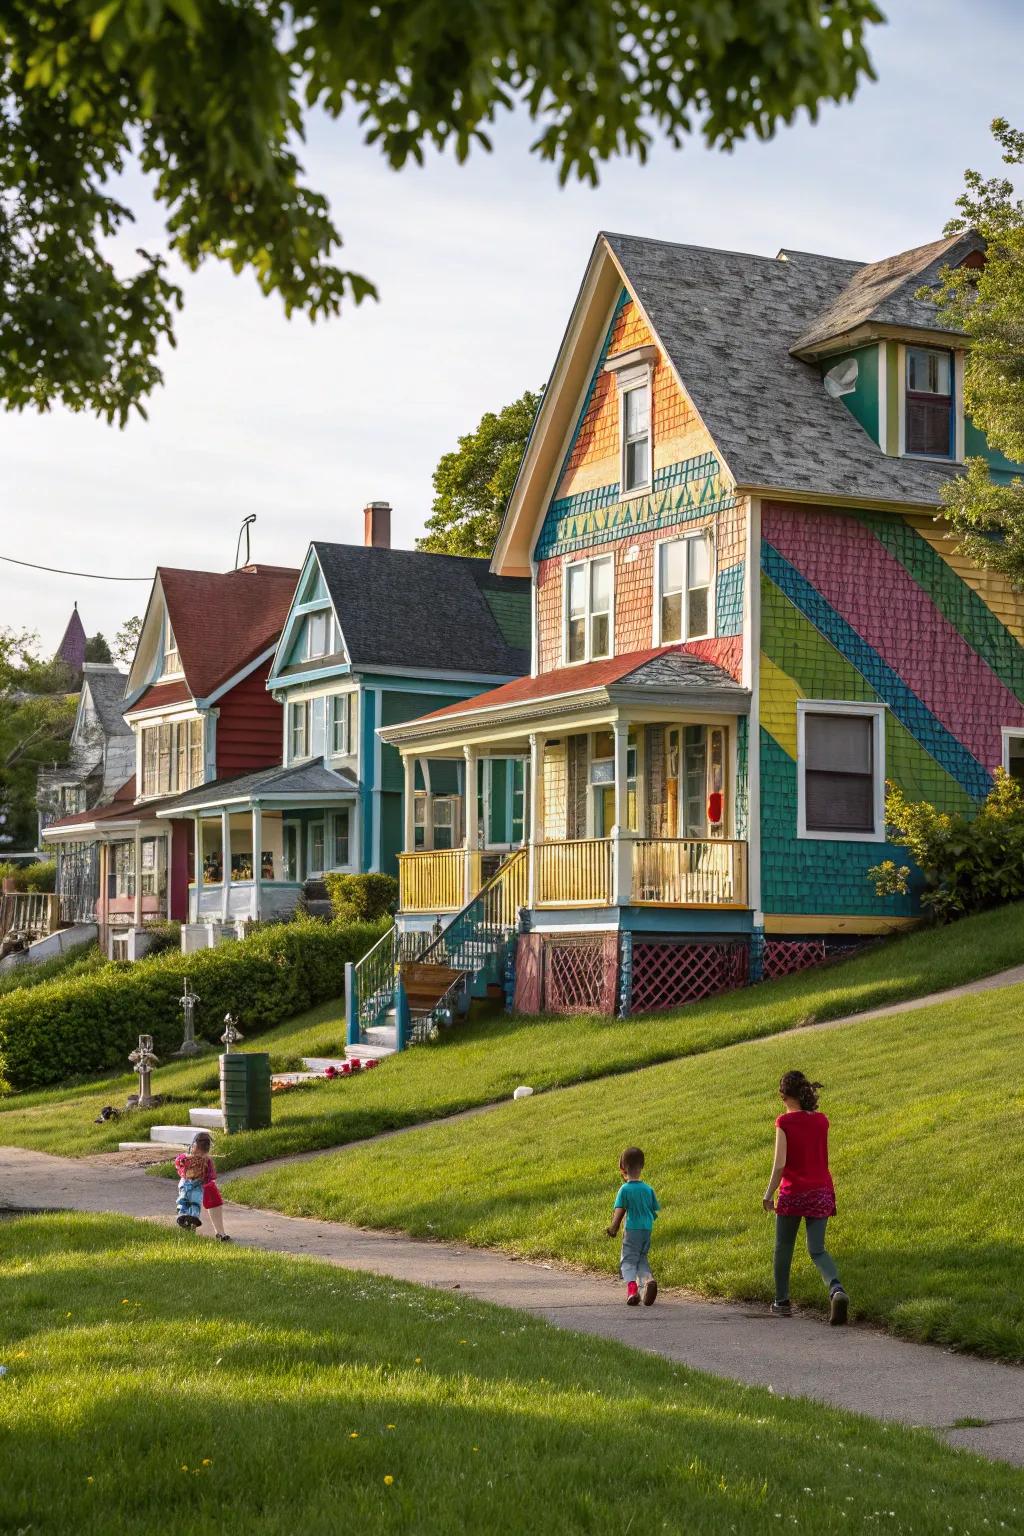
212 1196
809 1203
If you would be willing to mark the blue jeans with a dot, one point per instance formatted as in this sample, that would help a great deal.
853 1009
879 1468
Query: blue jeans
190 1198
633 1264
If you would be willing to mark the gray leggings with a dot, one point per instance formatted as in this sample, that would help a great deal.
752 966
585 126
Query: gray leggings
786 1229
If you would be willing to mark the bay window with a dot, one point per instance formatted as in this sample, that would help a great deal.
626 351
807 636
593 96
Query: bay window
171 757
683 589
588 610
841 771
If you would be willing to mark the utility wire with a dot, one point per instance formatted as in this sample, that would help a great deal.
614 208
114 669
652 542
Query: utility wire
56 570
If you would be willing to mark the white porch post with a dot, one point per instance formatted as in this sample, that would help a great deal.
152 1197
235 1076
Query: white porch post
472 819
257 860
536 832
197 860
225 865
622 844
168 851
409 803
137 915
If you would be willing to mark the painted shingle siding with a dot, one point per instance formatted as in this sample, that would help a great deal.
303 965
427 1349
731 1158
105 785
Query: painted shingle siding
863 607
588 518
249 726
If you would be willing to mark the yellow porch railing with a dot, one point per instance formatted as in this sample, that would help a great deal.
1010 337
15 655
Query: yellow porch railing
508 891
433 881
573 874
689 872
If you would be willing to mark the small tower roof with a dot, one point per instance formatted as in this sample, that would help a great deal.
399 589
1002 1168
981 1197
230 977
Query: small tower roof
72 647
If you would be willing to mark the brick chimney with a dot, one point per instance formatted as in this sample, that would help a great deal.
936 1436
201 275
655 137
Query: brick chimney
377 525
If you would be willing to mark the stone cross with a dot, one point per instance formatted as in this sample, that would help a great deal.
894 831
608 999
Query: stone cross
187 1002
144 1059
232 1034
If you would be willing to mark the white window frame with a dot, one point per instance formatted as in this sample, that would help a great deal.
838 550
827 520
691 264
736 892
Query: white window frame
294 704
349 813
707 534
172 656
641 377
349 707
1010 733
331 637
875 712
587 564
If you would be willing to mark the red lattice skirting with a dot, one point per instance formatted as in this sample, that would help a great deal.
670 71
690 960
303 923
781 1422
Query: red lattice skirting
669 975
579 973
784 957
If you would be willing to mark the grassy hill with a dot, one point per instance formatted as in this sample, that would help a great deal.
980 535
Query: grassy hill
927 1116
157 1384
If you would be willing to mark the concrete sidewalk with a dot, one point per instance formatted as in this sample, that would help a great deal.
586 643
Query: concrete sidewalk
855 1368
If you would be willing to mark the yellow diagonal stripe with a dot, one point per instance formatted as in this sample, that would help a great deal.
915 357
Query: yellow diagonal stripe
779 693
993 589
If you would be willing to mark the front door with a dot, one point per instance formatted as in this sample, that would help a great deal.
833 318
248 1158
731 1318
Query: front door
316 848
293 862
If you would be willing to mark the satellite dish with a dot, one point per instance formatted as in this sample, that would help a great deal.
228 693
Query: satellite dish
842 379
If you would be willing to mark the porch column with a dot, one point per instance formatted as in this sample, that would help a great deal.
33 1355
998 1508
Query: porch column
409 803
168 855
137 914
622 845
472 820
257 860
536 826
225 865
197 860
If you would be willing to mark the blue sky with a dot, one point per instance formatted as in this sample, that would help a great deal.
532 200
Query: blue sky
477 267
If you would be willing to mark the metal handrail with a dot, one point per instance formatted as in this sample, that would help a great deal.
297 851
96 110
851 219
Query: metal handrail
480 931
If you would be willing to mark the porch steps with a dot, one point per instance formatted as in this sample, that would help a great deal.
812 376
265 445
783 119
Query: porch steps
316 901
177 1136
209 1119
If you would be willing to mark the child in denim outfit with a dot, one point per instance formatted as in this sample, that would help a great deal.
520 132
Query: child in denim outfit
638 1204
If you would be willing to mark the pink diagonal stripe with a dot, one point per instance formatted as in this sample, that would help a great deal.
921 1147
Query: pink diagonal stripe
878 597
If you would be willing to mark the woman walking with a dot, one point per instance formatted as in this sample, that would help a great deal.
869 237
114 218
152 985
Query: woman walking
801 1175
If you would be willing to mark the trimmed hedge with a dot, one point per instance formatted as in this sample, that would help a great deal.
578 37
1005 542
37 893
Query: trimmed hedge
361 898
71 1028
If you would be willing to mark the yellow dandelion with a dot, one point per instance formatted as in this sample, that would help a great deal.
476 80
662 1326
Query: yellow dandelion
388 1479
88 1479
183 1467
476 1447
389 1426
417 1361
124 1301
67 1314
354 1435
207 1461
463 1341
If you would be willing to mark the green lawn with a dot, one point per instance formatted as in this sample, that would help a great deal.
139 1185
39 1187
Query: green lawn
927 1147
483 1062
161 1384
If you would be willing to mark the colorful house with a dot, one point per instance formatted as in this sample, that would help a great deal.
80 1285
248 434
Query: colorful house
199 713
745 619
376 635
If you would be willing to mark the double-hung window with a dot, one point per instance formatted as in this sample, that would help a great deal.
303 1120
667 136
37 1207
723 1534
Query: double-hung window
929 426
297 733
683 595
1013 753
588 610
172 660
841 771
636 435
340 848
343 724
320 636
171 757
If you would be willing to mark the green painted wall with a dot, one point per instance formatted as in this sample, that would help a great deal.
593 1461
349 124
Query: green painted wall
862 402
892 398
976 446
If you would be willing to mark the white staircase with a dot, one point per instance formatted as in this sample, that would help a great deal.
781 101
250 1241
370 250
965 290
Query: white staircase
178 1138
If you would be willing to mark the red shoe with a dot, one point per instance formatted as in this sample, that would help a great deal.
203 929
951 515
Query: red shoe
632 1294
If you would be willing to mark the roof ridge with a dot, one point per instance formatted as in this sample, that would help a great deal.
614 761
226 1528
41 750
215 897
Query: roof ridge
722 250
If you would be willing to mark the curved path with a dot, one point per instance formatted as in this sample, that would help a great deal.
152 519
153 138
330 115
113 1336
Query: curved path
854 1368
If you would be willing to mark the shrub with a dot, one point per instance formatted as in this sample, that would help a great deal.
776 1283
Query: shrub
361 898
162 937
70 1028
76 961
40 877
968 863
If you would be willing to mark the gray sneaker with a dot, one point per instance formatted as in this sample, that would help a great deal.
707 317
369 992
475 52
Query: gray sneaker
782 1309
838 1307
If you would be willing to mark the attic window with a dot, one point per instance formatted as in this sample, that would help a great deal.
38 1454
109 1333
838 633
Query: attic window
320 634
929 402
632 371
172 661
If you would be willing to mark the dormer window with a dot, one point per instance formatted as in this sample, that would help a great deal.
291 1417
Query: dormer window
320 638
929 403
172 661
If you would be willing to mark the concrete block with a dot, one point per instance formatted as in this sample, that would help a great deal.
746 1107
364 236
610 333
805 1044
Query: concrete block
194 936
174 1135
207 1119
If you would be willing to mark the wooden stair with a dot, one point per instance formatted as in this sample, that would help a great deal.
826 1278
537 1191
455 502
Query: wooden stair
425 984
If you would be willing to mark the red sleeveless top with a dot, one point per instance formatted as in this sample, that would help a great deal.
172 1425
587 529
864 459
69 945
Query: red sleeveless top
806 1188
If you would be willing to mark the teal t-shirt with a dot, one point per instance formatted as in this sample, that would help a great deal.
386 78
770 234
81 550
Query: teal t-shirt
640 1204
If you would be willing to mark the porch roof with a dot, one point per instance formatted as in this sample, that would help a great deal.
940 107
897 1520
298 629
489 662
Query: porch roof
673 676
104 821
300 783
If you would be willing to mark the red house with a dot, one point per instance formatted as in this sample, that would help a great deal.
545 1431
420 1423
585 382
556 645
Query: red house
197 703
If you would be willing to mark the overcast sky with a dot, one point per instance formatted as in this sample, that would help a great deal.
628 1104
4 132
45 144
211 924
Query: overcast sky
477 267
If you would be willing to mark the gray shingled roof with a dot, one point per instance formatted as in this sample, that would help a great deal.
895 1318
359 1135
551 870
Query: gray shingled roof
884 291
683 672
728 321
311 777
107 685
408 608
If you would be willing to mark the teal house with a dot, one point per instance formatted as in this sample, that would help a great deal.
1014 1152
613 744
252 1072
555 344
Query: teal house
376 636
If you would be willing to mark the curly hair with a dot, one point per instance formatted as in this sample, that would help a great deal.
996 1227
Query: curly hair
794 1085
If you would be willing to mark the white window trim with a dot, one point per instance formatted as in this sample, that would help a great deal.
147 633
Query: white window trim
684 538
877 713
634 378
170 648
1010 733
957 384
587 563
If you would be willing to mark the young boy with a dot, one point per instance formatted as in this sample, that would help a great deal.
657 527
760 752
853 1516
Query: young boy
637 1202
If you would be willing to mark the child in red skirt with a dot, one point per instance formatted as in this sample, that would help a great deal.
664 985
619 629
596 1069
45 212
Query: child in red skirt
197 1164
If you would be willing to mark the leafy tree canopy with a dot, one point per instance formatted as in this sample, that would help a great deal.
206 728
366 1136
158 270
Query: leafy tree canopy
127 638
97 649
36 716
209 98
473 483
987 303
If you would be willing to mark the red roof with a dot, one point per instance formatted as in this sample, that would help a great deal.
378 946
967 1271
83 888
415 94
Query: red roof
162 696
726 654
223 621
122 804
